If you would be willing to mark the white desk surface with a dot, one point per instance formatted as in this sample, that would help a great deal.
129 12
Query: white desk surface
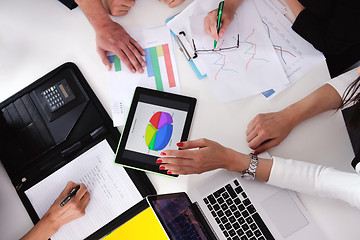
39 36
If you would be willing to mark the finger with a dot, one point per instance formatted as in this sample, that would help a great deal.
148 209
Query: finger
69 186
224 26
175 160
138 55
132 58
255 142
269 144
104 58
138 47
199 143
81 192
125 60
213 28
251 128
179 153
251 136
166 1
85 200
175 3
182 169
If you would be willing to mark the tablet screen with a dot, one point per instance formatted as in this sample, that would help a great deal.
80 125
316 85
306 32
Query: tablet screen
157 121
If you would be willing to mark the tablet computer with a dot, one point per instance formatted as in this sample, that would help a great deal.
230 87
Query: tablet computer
156 121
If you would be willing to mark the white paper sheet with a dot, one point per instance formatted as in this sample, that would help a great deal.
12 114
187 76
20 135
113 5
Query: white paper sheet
111 191
124 82
204 41
251 69
297 56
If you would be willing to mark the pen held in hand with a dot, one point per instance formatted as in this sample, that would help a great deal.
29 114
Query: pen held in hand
220 11
70 196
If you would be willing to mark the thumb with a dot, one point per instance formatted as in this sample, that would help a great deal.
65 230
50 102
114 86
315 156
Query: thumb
104 58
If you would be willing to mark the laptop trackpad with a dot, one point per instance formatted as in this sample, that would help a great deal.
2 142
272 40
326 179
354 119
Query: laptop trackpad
284 213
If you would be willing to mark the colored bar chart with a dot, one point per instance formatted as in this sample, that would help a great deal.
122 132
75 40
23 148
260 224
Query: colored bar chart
116 61
158 65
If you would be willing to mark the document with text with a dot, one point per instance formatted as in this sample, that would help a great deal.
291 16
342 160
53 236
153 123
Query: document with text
111 191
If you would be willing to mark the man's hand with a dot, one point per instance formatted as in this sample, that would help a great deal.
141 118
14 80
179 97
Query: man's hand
172 3
118 7
113 38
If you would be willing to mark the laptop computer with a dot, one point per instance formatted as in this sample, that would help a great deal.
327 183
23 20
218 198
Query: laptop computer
225 207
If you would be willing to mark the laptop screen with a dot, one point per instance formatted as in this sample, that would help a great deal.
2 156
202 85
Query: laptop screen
177 216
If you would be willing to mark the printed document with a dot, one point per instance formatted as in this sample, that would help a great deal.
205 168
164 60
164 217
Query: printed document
111 191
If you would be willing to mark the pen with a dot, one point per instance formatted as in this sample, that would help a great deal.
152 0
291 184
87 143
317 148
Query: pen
219 14
70 196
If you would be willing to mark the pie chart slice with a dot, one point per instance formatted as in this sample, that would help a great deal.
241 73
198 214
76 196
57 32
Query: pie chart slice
165 118
159 131
150 133
163 137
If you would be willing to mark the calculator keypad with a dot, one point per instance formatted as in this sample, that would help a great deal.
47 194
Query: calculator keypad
53 98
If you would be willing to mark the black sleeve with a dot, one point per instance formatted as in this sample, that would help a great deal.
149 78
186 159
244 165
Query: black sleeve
330 31
71 4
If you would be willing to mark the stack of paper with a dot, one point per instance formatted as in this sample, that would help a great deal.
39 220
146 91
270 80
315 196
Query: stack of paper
255 67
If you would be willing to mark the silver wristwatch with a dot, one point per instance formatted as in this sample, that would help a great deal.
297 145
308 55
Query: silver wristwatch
250 173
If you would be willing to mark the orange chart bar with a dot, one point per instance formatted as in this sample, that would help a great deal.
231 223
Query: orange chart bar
169 69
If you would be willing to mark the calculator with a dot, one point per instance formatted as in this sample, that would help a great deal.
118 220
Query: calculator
58 95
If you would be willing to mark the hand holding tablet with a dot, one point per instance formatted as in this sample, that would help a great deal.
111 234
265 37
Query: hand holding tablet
157 121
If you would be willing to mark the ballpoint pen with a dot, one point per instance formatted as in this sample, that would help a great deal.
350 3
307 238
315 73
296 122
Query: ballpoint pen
219 14
70 196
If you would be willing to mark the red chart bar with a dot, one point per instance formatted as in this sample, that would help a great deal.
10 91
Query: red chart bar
168 64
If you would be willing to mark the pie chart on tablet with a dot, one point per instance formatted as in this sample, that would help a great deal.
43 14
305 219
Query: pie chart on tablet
159 131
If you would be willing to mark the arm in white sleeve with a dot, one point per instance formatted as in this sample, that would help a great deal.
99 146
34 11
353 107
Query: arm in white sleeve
316 180
341 82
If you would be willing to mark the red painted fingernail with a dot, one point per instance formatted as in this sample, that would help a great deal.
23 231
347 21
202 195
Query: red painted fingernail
159 161
180 144
162 153
162 167
168 172
256 152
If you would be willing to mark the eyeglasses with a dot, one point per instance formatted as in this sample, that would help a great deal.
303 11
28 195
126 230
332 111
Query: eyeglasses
220 49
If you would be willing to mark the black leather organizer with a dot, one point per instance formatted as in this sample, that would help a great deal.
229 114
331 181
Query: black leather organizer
51 122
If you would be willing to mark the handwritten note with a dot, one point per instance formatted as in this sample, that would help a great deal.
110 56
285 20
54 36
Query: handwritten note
111 191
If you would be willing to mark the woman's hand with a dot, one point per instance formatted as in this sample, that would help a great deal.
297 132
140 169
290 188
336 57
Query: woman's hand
268 130
58 216
210 155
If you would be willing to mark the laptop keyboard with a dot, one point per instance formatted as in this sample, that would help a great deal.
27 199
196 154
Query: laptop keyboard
235 214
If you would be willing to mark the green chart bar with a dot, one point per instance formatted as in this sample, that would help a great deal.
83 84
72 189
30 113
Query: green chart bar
117 63
156 68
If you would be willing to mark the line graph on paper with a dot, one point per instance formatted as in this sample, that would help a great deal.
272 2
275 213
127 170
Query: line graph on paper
282 53
252 50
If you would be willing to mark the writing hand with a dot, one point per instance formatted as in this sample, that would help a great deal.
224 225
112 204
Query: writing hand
58 216
210 22
73 209
172 3
209 156
268 130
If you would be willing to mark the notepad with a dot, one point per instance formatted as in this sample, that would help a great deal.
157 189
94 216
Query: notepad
111 191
